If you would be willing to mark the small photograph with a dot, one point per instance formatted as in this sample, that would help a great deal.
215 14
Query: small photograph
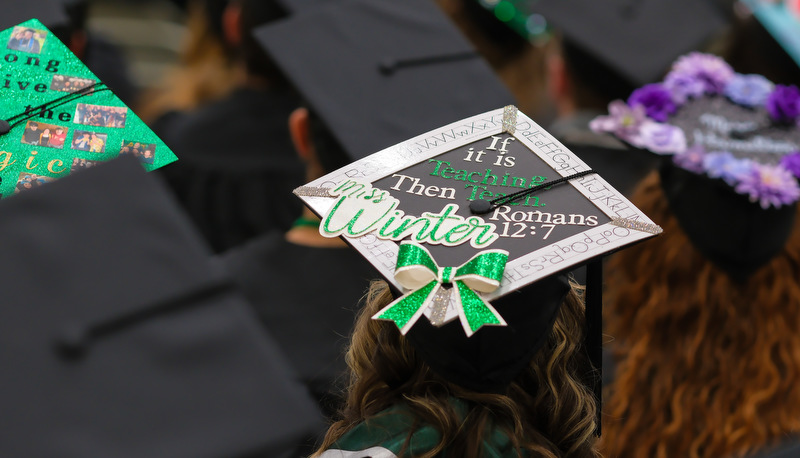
145 152
94 142
26 39
29 180
99 115
41 134
80 164
69 83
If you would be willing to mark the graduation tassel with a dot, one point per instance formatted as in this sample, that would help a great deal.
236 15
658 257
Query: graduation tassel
594 333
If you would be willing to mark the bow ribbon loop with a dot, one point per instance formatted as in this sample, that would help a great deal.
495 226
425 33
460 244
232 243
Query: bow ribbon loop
417 271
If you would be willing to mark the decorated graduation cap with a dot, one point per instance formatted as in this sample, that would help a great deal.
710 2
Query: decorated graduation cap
473 231
381 71
118 337
56 116
637 40
731 144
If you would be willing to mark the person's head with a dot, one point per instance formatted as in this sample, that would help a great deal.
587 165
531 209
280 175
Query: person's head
515 60
34 126
148 154
545 409
315 144
692 339
59 130
28 34
239 19
46 131
580 79
600 55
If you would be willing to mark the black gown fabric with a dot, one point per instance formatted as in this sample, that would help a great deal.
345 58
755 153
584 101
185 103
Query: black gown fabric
789 448
307 298
236 165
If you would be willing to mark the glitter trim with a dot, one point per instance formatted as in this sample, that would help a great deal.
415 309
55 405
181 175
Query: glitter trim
311 191
439 305
637 225
510 119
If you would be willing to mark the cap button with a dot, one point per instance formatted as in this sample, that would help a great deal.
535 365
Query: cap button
387 66
480 206
4 127
73 341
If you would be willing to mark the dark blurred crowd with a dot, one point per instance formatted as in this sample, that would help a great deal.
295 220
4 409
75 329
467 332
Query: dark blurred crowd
699 362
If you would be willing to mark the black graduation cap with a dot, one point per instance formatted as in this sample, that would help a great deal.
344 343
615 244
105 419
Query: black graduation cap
731 149
636 39
475 222
299 6
378 72
51 13
118 338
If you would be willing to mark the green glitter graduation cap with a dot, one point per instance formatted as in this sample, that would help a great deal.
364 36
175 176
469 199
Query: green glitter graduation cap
57 117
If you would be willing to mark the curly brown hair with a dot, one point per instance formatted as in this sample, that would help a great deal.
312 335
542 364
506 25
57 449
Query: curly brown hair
708 366
547 411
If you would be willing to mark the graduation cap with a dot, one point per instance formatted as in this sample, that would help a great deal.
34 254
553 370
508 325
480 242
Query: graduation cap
731 144
55 111
299 6
51 13
474 223
119 338
637 40
377 73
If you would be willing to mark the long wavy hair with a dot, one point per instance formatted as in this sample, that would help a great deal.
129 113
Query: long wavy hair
707 366
546 411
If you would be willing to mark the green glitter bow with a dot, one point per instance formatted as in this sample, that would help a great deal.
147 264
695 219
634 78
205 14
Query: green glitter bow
416 270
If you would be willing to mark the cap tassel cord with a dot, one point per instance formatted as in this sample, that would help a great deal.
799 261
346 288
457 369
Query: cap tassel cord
389 66
480 207
74 339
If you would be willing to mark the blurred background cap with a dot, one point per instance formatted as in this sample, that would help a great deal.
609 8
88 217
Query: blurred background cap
118 338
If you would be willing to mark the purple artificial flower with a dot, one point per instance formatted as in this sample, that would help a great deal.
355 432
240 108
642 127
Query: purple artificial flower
622 120
748 90
683 86
783 104
691 159
713 72
791 162
769 185
660 138
726 166
656 100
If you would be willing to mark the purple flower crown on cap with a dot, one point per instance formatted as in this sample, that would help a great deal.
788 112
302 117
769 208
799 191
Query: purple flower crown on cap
642 122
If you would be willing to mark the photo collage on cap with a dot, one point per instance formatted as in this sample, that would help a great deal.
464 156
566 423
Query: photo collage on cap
61 117
427 192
